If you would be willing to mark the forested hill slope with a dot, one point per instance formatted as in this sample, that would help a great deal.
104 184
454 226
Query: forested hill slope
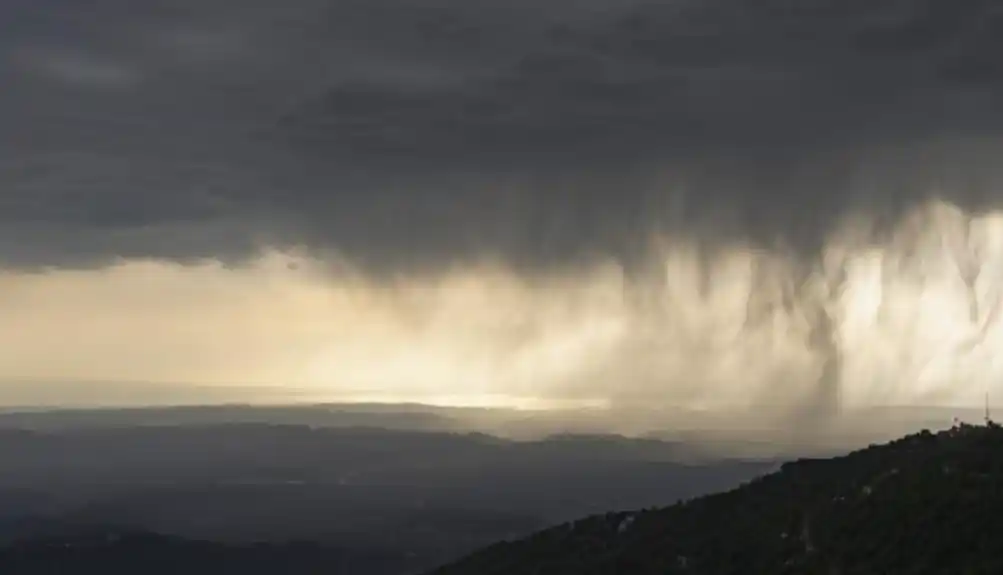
927 503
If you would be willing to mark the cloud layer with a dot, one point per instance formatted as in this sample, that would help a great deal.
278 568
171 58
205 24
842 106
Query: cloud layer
409 135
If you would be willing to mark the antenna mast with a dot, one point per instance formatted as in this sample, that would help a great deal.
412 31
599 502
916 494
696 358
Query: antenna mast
988 420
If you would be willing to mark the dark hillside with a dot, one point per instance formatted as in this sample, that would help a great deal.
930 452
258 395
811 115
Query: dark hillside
927 503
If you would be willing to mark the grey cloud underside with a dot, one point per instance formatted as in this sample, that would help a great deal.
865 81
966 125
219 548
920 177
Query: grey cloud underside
412 134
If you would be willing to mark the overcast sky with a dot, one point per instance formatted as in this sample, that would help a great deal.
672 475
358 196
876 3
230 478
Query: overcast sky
428 144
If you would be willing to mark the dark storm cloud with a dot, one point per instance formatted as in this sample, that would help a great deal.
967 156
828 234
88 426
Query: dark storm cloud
415 133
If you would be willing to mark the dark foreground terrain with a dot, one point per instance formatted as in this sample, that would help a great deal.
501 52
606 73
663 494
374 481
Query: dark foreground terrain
184 494
112 552
927 503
